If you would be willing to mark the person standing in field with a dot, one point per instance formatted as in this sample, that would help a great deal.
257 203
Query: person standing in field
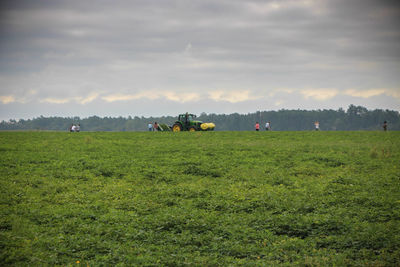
155 126
70 128
268 126
78 128
257 126
316 124
150 126
384 126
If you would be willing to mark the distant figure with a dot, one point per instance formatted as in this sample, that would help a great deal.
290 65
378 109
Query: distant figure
155 126
78 128
71 128
150 126
384 126
316 124
268 126
257 126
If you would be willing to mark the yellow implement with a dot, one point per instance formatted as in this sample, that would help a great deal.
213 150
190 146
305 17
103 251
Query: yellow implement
207 126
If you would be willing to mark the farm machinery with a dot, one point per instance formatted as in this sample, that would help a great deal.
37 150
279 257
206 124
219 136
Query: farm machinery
187 122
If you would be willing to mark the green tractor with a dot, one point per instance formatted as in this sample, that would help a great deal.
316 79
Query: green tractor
187 122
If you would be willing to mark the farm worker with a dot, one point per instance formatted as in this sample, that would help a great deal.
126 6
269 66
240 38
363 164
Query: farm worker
70 128
316 125
384 126
73 128
267 126
150 126
257 126
186 119
77 128
155 126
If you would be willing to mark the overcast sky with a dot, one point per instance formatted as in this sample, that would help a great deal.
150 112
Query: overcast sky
154 58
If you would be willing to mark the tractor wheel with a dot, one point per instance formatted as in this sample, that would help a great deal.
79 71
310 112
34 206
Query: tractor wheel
176 128
192 129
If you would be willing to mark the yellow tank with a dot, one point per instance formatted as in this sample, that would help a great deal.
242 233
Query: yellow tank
207 126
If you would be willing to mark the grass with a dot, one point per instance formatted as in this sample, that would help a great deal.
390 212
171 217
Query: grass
204 198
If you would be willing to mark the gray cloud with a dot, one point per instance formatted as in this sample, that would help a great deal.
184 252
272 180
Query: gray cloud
65 52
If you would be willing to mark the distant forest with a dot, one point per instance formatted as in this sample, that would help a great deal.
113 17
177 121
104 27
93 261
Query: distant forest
354 118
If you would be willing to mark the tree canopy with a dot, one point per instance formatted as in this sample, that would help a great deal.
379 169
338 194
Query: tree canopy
354 118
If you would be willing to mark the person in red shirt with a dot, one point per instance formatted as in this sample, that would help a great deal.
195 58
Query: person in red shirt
257 126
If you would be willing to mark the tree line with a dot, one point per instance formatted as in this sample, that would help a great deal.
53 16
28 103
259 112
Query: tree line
354 118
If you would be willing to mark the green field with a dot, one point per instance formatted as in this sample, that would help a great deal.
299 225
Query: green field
203 198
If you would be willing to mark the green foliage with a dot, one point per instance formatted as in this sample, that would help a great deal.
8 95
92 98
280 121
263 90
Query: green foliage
355 118
163 127
203 198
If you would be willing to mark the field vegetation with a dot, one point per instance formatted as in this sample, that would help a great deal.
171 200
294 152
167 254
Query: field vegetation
203 198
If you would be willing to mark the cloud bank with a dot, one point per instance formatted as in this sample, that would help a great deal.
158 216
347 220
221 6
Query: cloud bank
162 58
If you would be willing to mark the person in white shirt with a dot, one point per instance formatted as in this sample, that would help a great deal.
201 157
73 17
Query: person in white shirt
316 125
73 128
150 126
268 126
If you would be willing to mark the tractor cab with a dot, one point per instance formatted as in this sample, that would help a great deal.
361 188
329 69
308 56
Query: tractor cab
186 118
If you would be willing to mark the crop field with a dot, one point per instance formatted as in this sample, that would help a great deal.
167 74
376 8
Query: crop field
203 198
